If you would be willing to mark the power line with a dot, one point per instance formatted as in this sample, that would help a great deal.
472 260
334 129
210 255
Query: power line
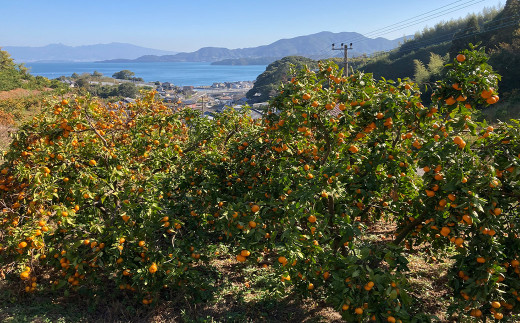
397 23
509 21
497 24
391 28
410 21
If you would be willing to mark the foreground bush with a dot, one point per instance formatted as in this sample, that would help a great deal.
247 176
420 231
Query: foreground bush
137 195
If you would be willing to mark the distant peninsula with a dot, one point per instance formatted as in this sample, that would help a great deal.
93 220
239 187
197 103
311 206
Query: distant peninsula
247 61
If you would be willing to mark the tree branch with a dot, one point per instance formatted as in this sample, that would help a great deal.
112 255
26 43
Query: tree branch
402 235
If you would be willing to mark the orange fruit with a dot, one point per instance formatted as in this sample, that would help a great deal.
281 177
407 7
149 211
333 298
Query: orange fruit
486 94
282 260
358 310
153 268
461 58
353 149
312 219
245 253
92 162
240 258
450 101
481 260
457 140
492 100
255 208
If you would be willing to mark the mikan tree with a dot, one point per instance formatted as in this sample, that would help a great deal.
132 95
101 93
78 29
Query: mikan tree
102 193
137 195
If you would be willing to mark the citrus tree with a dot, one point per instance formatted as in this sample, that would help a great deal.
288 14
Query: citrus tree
102 192
139 195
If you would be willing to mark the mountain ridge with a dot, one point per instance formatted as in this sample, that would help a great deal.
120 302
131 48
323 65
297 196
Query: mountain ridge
314 46
58 52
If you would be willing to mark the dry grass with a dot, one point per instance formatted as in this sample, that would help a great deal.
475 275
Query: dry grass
16 107
5 139
19 93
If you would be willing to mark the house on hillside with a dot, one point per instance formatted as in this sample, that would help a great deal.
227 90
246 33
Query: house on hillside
225 100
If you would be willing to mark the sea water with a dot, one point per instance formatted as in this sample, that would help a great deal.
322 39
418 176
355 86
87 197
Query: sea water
178 73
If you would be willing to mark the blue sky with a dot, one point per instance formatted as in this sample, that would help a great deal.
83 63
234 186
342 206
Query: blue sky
191 24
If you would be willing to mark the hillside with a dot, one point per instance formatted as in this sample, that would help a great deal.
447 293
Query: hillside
421 59
312 46
14 76
267 83
87 53
497 30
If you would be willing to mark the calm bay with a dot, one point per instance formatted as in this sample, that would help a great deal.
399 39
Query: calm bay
178 73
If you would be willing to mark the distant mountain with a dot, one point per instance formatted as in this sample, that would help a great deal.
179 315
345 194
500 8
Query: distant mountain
312 46
86 53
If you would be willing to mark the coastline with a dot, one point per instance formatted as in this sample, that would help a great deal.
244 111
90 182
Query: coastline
178 73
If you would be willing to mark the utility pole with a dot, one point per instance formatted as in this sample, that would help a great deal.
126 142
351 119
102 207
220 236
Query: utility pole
345 49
